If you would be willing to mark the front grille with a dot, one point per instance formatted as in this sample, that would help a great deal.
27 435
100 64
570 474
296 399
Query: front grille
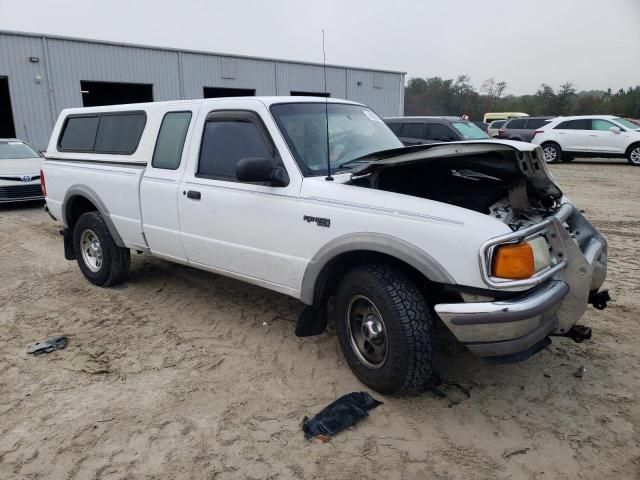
20 191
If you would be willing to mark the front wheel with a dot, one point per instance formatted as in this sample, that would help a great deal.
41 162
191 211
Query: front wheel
101 261
552 152
384 328
634 155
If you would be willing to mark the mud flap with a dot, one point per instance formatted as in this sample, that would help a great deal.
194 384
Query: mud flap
69 253
311 321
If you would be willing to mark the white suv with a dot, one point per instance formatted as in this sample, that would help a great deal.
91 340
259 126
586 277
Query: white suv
589 136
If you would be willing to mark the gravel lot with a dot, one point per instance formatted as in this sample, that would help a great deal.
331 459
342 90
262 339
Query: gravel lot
199 388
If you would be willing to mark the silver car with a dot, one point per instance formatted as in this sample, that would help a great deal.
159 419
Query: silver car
20 166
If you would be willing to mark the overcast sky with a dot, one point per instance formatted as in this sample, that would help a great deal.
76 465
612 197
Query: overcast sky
593 43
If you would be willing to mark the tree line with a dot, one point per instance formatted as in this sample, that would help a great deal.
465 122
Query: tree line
440 96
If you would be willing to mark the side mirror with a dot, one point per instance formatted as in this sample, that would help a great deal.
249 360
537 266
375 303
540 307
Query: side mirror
614 129
261 169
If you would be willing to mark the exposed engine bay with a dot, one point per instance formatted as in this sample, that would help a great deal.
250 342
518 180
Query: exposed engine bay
513 187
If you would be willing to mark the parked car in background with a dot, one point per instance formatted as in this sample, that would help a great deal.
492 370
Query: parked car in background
635 121
419 130
400 237
589 136
19 171
491 116
522 129
482 126
494 128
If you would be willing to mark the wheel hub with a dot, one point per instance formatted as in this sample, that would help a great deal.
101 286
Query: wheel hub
91 250
635 155
367 331
550 154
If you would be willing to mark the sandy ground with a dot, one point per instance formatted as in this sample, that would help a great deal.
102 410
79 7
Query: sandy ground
200 388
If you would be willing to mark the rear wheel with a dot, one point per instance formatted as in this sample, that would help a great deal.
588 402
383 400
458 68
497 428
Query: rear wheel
384 328
552 152
633 156
101 261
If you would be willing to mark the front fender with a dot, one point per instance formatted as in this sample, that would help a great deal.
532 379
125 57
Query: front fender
372 242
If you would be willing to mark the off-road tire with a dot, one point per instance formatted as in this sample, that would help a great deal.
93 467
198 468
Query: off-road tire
408 323
116 260
633 155
558 151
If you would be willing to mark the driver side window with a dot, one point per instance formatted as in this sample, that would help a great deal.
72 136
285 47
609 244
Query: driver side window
440 132
601 125
225 142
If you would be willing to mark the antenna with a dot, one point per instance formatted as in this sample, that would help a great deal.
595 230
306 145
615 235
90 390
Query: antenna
326 108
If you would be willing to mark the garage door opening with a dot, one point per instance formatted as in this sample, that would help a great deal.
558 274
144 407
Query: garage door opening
298 93
218 92
95 94
7 128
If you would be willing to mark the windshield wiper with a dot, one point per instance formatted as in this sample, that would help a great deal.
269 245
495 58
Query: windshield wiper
353 161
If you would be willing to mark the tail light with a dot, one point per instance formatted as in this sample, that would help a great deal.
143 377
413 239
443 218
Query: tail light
42 184
501 131
536 132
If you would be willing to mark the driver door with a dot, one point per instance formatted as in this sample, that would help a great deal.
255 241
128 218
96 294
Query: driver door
601 139
233 227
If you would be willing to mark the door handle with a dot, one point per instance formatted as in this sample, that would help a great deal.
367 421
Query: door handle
194 195
592 135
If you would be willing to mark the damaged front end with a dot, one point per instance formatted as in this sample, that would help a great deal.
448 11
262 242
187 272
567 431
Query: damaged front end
512 184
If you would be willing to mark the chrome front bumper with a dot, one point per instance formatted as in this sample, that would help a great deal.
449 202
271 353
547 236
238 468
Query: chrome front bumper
557 300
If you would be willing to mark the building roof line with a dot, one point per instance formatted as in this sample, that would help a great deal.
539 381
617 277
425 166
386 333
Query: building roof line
185 50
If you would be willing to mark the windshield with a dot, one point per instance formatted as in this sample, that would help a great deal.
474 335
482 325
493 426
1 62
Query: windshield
469 131
354 131
627 124
16 150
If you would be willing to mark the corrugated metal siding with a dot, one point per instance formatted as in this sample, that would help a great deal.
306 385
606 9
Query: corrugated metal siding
39 91
28 87
73 61
201 71
310 78
380 90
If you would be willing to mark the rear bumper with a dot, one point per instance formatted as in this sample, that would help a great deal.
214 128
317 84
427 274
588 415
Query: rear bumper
558 299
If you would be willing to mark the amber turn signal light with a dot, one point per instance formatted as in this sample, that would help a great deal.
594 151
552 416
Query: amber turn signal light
513 261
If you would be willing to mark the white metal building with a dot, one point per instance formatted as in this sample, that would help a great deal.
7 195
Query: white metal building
41 74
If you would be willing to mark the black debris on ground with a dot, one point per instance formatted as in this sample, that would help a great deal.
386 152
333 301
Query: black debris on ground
342 413
57 342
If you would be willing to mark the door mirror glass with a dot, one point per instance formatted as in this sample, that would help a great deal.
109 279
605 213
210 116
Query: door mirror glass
614 129
261 169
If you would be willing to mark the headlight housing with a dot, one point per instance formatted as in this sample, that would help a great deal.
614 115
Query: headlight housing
517 261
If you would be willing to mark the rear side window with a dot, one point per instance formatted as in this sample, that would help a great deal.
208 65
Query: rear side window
116 133
413 130
516 123
170 143
440 132
537 123
225 143
497 124
119 133
574 125
79 133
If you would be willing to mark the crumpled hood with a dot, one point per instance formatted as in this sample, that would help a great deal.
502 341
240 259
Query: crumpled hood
531 166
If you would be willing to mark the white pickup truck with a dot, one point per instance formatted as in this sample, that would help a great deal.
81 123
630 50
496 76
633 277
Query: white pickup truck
476 235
